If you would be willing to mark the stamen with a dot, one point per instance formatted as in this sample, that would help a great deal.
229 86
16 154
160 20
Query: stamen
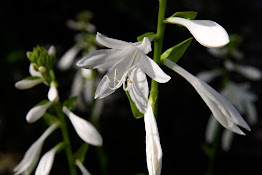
108 77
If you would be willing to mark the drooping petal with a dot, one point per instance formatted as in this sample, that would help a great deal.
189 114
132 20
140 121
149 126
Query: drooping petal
53 93
85 130
82 168
27 84
206 32
68 58
150 67
153 148
138 89
46 162
31 156
227 138
222 109
110 42
211 129
145 45
37 112
207 76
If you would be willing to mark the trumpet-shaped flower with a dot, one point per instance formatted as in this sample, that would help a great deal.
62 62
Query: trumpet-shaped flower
52 93
128 65
225 113
31 156
46 162
83 170
206 32
37 112
85 130
153 147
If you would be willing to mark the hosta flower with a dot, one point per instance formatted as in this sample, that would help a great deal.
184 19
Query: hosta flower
28 83
153 147
37 112
128 65
46 162
85 130
52 93
83 170
31 156
222 109
68 58
206 32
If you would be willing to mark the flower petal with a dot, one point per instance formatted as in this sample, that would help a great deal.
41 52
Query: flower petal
46 162
37 112
52 93
153 70
211 129
249 72
206 32
33 72
27 84
138 89
85 130
145 45
227 138
153 148
68 58
82 168
221 108
110 42
207 76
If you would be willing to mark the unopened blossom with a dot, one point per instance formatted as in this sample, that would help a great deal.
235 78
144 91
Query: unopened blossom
31 157
51 51
85 130
208 76
68 58
127 65
46 162
83 170
53 93
37 112
206 32
225 113
153 148
28 83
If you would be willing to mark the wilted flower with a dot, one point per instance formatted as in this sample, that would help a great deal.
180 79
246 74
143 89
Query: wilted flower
127 64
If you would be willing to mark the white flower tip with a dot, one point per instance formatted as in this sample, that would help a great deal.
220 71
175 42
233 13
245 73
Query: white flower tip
37 112
27 84
207 33
51 51
53 93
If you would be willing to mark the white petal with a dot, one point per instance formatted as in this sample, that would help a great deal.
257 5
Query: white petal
218 52
89 90
206 32
37 112
251 113
207 76
110 42
46 162
51 51
222 109
33 72
52 93
85 130
68 58
31 156
145 45
227 138
138 89
249 72
211 129
150 67
27 84
82 168
153 148
76 85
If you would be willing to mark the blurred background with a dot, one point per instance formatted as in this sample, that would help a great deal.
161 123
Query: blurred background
183 115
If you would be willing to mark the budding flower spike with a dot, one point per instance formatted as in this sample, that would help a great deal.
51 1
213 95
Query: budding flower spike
127 65
206 32
225 113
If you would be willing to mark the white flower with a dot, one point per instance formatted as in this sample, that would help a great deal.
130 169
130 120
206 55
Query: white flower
211 129
82 168
128 66
208 76
31 156
206 32
85 130
153 148
53 93
51 51
46 162
33 72
37 112
227 137
68 58
27 84
222 109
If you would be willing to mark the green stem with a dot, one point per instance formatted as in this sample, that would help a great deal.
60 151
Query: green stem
68 149
158 43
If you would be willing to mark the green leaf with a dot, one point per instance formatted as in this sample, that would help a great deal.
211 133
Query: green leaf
32 78
186 14
176 52
70 103
42 102
81 152
50 119
137 114
150 35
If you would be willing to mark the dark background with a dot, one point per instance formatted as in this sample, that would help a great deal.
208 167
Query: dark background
182 113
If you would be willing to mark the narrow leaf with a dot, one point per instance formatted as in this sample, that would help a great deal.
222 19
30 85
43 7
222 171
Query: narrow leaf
70 103
81 152
186 14
150 36
50 119
137 114
176 52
